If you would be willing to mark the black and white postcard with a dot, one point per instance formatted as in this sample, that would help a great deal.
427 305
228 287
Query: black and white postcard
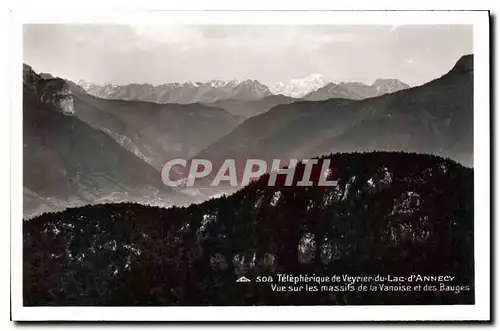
251 166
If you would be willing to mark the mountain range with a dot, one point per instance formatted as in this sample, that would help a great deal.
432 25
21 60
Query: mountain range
313 87
393 213
66 162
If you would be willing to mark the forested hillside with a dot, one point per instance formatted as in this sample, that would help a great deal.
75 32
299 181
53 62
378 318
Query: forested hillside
392 213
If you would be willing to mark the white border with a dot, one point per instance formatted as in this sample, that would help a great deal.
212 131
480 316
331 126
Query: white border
479 311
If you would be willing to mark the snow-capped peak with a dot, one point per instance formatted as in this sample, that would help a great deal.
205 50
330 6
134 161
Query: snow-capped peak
299 87
216 83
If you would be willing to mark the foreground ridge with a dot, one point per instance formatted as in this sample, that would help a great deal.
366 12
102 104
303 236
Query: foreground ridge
391 214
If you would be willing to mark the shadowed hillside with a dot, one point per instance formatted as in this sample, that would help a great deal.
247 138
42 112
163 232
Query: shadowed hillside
250 108
392 213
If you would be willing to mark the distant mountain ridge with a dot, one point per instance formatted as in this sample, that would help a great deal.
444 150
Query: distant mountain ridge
80 148
312 87
156 132
391 214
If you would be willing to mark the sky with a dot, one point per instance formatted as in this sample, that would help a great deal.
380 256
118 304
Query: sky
158 54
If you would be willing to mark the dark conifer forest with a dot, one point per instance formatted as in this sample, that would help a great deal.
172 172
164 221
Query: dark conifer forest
392 213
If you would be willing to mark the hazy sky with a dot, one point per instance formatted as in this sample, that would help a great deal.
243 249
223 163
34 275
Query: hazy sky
122 54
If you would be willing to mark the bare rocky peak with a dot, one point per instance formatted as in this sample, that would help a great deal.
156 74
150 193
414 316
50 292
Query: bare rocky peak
54 91
464 65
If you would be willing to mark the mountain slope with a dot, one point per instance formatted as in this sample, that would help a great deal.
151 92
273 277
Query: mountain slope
155 132
66 162
434 118
395 214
